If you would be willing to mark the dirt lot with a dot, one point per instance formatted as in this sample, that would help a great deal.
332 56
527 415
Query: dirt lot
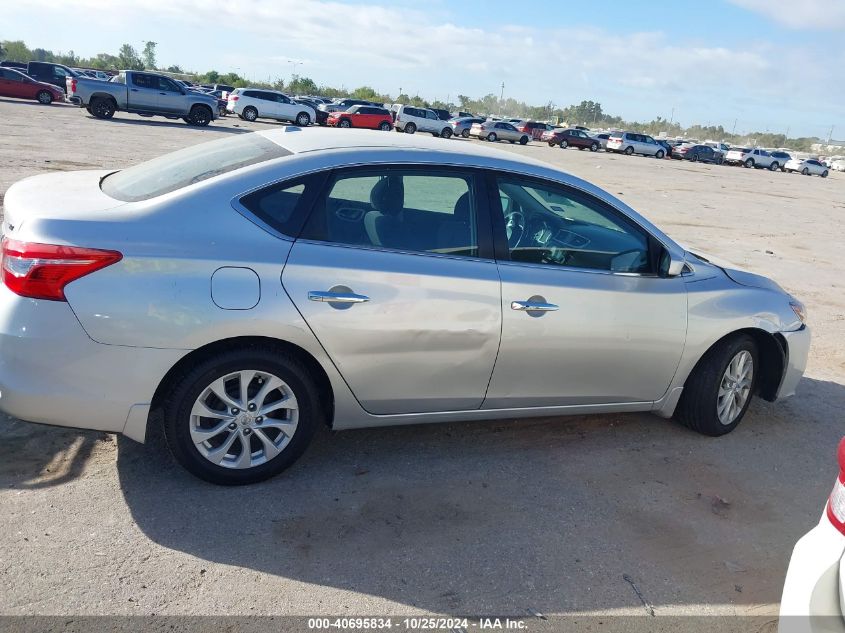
554 516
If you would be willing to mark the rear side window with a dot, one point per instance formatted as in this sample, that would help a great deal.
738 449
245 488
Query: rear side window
187 166
284 206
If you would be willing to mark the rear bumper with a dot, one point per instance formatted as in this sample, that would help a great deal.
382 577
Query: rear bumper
75 100
810 601
797 351
51 371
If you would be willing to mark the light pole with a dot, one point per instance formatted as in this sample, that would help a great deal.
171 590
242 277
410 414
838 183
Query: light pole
294 64
502 99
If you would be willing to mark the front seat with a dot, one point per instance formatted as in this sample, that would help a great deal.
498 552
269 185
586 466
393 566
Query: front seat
455 235
384 223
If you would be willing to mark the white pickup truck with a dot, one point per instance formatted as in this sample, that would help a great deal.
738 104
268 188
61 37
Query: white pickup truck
748 157
143 93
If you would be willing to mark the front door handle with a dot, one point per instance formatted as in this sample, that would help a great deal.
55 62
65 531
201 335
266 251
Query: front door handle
336 297
533 306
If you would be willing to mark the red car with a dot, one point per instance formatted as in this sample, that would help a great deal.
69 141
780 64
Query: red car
18 85
571 138
363 116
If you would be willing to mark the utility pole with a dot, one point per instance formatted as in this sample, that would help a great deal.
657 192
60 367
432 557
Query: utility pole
672 116
830 135
502 99
733 131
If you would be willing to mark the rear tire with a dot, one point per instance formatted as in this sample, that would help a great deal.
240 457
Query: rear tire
492 137
594 147
749 163
410 128
102 108
773 167
629 151
700 401
44 97
249 113
805 172
179 422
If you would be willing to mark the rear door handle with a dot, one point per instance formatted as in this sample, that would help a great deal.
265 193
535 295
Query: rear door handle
336 297
134 89
533 306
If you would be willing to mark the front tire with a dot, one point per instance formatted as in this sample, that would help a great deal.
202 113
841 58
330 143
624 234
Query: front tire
720 387
564 144
523 140
446 132
303 119
44 97
345 123
824 174
660 154
465 133
384 126
228 437
200 116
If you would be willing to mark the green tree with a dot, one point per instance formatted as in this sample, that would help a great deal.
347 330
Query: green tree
128 58
149 55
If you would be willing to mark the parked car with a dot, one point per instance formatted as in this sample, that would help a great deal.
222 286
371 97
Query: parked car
143 93
696 153
232 328
570 137
782 158
8 63
602 138
254 103
748 157
50 73
721 148
321 117
462 125
806 166
666 145
343 104
815 579
19 85
535 129
498 131
633 143
224 87
838 165
443 115
410 119
368 117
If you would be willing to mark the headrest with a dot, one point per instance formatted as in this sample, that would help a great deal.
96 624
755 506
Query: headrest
388 195
462 208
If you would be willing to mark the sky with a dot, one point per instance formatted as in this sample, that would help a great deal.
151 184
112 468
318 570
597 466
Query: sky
749 65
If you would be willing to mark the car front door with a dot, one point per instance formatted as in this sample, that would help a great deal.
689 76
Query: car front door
285 108
171 98
432 122
393 272
651 146
585 318
143 92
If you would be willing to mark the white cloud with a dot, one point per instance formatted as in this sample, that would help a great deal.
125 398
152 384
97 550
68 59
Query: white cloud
826 15
636 75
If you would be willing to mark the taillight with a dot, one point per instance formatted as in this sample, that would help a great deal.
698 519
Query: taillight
73 85
42 271
836 502
233 97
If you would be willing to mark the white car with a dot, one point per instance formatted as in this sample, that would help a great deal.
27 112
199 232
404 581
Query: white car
255 103
806 166
838 165
748 157
815 581
633 143
410 119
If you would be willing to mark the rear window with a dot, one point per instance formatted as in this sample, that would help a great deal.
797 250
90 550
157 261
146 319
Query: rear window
187 166
616 135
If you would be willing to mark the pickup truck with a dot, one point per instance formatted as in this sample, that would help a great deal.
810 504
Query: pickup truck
143 93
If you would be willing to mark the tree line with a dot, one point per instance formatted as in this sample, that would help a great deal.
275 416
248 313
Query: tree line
587 113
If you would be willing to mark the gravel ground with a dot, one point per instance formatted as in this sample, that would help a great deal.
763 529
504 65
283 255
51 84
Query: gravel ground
601 515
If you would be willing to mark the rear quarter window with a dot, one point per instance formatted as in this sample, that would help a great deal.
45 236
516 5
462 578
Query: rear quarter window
188 166
284 206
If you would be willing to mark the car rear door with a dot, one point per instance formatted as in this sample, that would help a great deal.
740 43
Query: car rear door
11 84
585 319
393 272
143 92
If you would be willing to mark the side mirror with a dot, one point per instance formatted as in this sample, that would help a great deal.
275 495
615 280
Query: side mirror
671 264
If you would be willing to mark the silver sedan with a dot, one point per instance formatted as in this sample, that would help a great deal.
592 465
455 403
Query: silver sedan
498 131
254 288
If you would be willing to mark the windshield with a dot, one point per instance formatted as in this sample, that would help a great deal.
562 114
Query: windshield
188 166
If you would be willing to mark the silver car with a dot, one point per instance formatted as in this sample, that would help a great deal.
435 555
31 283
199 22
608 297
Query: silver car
498 131
254 288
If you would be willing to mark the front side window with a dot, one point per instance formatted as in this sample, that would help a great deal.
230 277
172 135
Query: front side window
398 209
167 85
549 224
142 81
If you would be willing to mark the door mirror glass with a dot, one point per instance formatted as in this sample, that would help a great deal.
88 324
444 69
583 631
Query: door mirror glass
670 265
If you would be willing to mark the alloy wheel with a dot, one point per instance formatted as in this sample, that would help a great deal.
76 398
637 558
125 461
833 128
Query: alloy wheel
244 419
735 387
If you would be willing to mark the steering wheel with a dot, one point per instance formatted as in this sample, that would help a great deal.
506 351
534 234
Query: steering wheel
514 228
